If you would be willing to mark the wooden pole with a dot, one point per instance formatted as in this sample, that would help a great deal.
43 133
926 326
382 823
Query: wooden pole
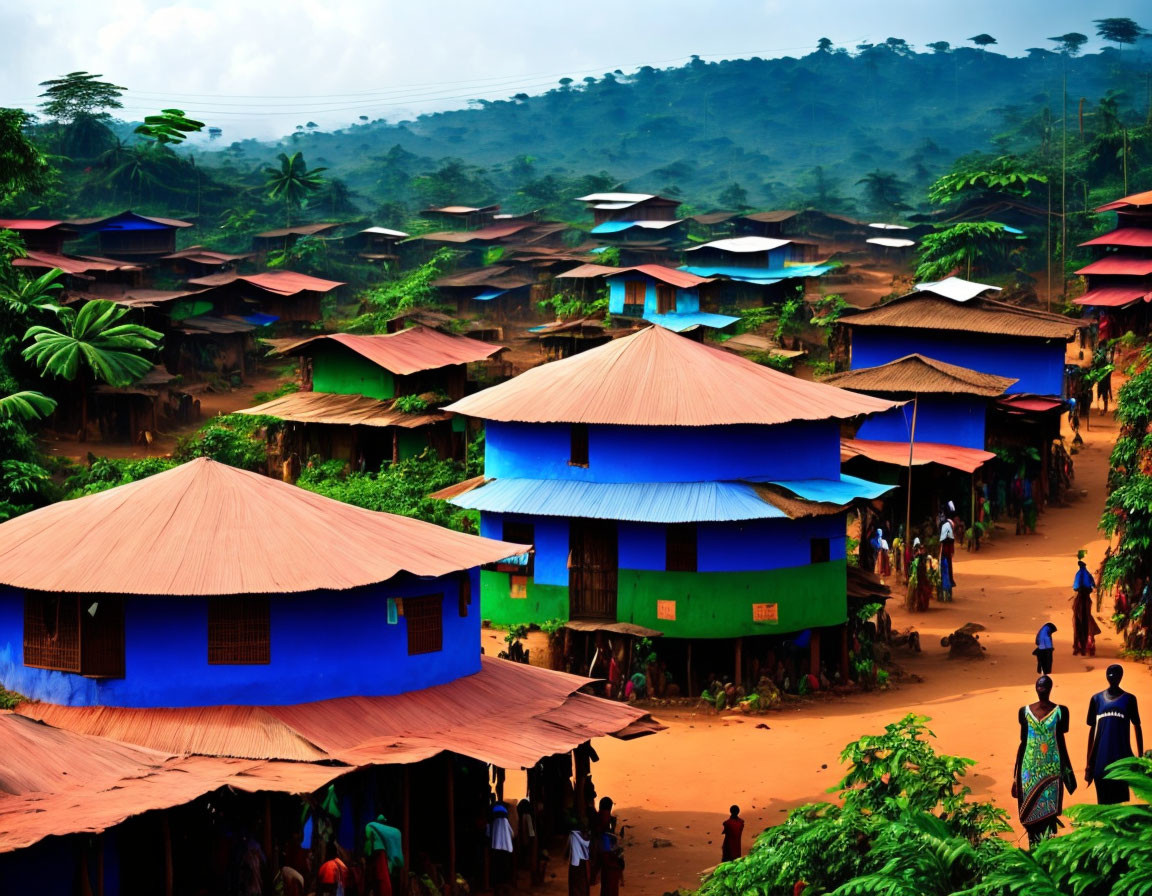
166 829
739 662
908 509
99 865
688 677
814 653
450 884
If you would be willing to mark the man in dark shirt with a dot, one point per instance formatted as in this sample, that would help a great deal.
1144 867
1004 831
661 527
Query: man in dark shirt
1111 716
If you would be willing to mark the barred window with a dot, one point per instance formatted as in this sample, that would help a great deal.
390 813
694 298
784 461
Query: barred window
424 616
680 547
83 634
239 631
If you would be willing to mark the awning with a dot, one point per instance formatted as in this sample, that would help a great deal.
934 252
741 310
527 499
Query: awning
1030 404
680 322
342 410
488 295
1114 296
618 628
956 457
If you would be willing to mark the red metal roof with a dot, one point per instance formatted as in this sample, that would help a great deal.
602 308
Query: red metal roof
1119 264
657 378
207 528
70 265
283 283
665 275
1136 200
957 457
27 224
1038 404
408 351
1123 236
493 232
508 714
1114 296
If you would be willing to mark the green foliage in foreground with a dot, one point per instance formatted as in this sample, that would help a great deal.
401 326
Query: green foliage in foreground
401 488
906 827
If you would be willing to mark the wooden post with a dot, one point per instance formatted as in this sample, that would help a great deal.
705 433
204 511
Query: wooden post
450 885
405 840
814 653
272 865
739 662
844 652
85 879
688 677
166 830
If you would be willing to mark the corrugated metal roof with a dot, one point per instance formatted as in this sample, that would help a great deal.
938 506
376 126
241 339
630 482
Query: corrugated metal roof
282 283
1037 404
1134 237
890 242
967 460
406 351
630 198
200 252
68 264
589 271
656 378
384 231
742 244
646 502
927 311
299 230
1136 200
497 276
508 714
619 226
679 322
96 223
207 528
658 502
1114 296
495 232
956 288
19 224
671 276
341 410
762 276
883 226
149 298
771 217
1119 264
920 375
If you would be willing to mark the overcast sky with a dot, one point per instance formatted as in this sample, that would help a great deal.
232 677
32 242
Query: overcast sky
260 67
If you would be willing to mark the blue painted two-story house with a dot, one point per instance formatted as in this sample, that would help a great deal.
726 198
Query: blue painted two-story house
664 296
670 485
755 269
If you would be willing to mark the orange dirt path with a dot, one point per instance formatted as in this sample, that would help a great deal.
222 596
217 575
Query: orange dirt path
677 785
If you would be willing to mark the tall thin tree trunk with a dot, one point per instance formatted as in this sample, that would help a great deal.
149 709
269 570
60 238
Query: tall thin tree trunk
83 413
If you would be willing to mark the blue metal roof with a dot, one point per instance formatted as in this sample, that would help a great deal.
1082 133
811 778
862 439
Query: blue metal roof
832 491
489 295
642 502
763 276
689 319
613 226
656 502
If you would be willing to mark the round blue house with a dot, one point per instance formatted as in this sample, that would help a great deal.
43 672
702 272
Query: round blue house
209 585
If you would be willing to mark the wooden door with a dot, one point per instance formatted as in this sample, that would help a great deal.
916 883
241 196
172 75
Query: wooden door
592 574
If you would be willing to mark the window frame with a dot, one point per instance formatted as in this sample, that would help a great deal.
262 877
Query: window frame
578 445
682 547
249 634
666 298
634 289
820 550
427 612
94 646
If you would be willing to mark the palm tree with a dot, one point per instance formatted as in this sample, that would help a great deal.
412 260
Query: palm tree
293 182
21 296
25 406
92 344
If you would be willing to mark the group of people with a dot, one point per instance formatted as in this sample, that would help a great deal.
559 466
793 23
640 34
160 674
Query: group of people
594 854
1084 625
1044 771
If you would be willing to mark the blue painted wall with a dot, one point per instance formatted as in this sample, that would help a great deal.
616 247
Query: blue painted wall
550 539
952 421
1038 365
323 645
686 299
664 454
750 546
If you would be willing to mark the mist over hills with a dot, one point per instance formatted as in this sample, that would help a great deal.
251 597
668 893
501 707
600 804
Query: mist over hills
784 130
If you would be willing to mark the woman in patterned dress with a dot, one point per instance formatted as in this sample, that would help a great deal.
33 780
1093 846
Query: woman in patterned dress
1042 764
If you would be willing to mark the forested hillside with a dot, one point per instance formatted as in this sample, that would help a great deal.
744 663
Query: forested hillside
785 131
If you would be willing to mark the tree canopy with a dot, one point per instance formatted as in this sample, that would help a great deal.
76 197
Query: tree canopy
79 94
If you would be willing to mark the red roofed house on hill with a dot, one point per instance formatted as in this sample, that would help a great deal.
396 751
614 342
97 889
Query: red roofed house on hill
236 625
671 487
1119 282
375 399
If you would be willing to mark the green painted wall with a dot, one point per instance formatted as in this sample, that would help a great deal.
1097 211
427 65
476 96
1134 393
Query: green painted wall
411 442
708 604
719 604
544 602
344 372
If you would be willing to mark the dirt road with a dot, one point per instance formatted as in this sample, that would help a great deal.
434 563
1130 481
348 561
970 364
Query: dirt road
677 785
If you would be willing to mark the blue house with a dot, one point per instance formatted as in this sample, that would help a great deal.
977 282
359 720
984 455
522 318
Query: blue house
663 296
132 236
955 322
668 485
951 402
755 269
